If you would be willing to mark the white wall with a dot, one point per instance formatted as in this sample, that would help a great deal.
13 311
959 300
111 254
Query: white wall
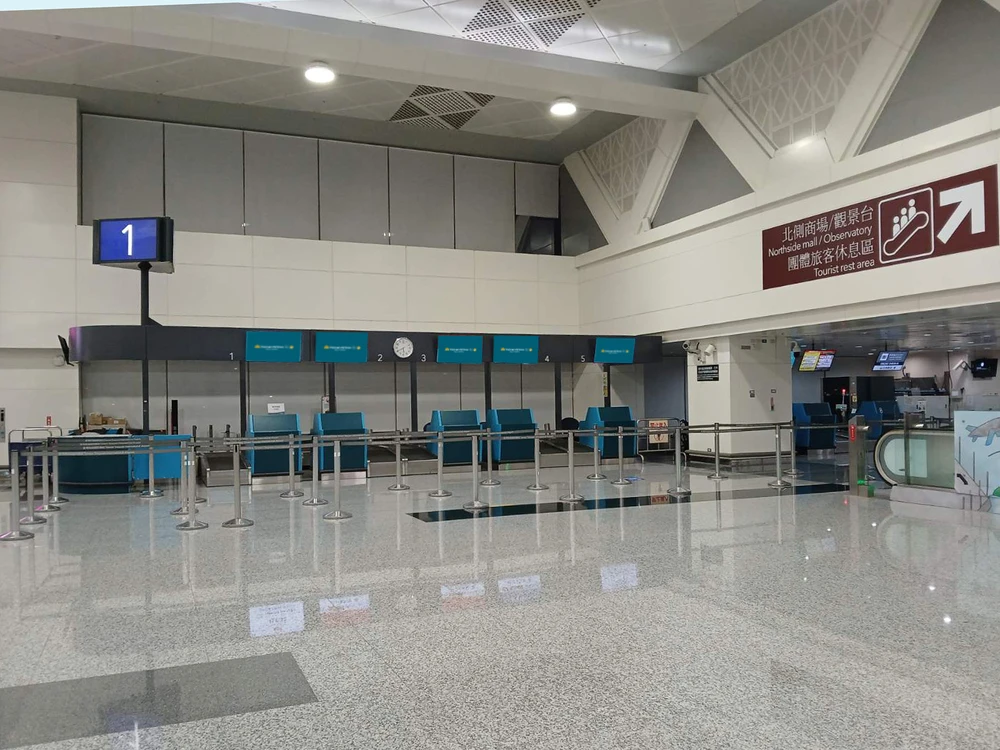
33 388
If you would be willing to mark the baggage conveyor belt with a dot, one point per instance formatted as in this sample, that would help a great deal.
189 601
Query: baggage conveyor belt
216 470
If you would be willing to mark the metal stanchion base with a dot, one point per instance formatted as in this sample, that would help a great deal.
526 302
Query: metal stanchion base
59 500
149 494
291 494
237 523
337 515
490 483
679 491
716 477
314 501
191 526
398 487
792 473
475 506
620 482
200 500
537 487
439 494
49 508
572 497
182 511
32 521
597 477
779 484
16 536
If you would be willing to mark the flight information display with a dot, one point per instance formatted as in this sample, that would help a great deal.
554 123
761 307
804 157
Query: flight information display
889 362
817 360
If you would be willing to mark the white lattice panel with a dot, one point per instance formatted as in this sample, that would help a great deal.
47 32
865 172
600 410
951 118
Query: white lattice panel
791 86
621 159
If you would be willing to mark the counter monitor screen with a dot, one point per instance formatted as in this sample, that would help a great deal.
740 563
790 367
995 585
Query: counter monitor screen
984 368
129 242
817 360
889 362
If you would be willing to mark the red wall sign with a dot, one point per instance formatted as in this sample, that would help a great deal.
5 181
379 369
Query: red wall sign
944 217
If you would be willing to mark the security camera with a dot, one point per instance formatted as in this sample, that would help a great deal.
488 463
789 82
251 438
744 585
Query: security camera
709 350
796 347
691 346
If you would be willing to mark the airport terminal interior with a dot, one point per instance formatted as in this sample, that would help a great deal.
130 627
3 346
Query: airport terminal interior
613 374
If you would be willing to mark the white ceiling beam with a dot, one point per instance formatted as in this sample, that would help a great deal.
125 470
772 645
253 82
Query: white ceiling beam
371 52
661 167
897 36
589 185
739 145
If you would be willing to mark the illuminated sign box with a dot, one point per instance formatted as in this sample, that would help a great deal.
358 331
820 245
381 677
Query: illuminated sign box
460 350
515 350
341 346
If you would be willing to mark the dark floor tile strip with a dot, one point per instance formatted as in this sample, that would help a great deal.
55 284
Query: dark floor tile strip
72 709
527 509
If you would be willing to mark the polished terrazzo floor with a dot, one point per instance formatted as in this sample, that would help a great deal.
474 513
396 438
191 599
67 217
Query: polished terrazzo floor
794 621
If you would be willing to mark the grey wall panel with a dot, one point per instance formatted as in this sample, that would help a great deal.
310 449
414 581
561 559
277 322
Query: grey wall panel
207 393
121 168
953 73
702 178
580 232
368 388
353 192
627 388
282 186
536 189
664 388
506 382
438 387
421 198
473 389
203 178
300 386
538 392
114 389
484 204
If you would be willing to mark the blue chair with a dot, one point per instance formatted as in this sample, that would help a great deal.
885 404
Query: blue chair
876 412
456 452
273 460
519 447
609 418
352 457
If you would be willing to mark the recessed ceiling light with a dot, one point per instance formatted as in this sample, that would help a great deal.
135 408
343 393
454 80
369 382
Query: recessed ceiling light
563 108
926 334
319 72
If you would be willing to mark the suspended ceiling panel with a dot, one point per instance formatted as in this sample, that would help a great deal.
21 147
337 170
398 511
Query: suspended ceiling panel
42 57
640 33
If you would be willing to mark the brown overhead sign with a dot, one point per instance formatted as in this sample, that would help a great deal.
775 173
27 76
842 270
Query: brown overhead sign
948 216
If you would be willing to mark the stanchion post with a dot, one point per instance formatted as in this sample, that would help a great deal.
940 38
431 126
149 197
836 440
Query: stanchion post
337 514
56 497
778 482
237 521
718 457
14 533
441 492
182 486
538 486
151 491
315 499
187 493
794 470
475 505
597 476
292 491
621 481
399 486
31 519
45 506
489 481
678 488
572 496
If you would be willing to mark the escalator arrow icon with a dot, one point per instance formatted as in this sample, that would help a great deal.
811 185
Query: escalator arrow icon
971 200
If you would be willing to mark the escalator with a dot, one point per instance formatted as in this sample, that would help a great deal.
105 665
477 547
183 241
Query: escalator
920 467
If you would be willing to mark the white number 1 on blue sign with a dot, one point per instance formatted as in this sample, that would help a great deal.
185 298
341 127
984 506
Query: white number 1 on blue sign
128 230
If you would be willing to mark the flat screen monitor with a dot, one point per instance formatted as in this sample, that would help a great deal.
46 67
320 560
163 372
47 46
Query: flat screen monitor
614 351
984 368
817 360
129 242
889 362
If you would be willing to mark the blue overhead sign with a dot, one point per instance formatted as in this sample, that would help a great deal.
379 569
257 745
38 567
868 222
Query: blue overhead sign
515 350
460 350
614 351
341 346
274 346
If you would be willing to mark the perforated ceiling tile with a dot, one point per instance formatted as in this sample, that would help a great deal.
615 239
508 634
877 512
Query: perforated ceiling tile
425 90
551 29
508 36
432 123
407 111
458 119
447 101
481 99
530 10
492 14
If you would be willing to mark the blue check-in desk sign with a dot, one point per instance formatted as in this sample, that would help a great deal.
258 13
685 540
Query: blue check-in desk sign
460 350
341 346
515 350
274 346
614 351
